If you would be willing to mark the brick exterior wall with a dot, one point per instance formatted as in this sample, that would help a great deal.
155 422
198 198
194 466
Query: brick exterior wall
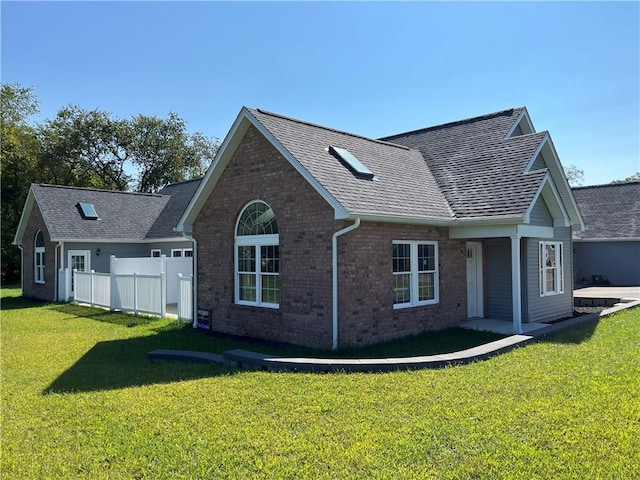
46 290
306 224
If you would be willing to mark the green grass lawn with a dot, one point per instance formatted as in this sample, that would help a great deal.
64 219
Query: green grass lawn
78 401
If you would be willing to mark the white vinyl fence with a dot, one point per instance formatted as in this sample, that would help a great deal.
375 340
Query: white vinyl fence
143 290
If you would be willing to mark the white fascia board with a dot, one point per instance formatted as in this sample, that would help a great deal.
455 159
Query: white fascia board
225 152
220 161
536 153
486 231
436 222
340 211
524 116
559 180
535 231
24 217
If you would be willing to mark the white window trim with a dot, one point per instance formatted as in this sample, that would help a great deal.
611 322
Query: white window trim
176 250
413 245
256 241
184 252
558 270
38 252
156 250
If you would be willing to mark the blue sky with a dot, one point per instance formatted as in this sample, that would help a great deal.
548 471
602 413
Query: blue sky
369 68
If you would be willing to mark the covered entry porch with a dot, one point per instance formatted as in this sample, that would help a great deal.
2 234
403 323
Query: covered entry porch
507 284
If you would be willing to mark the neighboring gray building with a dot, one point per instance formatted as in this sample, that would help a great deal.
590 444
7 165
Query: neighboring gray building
608 251
69 227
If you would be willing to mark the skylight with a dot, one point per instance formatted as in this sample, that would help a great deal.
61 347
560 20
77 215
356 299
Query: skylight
88 210
358 168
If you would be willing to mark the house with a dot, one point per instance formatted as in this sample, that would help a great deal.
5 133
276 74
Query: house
608 251
79 228
314 236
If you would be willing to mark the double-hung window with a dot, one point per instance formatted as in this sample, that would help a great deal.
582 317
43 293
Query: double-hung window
415 273
550 266
38 261
257 259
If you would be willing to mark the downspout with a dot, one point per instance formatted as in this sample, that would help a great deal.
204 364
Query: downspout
334 244
21 270
55 273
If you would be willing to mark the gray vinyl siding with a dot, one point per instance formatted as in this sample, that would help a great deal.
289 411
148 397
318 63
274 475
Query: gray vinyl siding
100 263
165 247
540 215
617 262
517 131
538 163
553 306
498 279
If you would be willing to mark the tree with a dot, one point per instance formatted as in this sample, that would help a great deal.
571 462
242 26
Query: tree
86 148
19 151
633 178
575 176
163 151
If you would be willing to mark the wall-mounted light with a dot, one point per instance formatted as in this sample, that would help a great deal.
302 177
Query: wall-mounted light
97 252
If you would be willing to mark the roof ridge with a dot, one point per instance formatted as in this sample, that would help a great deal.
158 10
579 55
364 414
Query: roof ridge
266 112
456 122
602 185
89 189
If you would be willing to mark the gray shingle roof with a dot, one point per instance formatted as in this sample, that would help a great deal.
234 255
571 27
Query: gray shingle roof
479 171
610 211
180 194
403 183
122 215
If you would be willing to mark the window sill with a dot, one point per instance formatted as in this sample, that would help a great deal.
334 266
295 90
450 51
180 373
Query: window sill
271 306
402 306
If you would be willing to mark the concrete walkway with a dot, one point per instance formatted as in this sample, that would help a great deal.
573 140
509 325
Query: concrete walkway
244 359
608 292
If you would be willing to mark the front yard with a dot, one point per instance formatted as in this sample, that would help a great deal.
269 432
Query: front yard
78 401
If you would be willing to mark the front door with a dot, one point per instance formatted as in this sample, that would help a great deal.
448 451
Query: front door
78 260
475 307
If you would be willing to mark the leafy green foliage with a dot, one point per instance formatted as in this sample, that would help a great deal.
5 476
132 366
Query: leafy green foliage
632 178
78 401
88 148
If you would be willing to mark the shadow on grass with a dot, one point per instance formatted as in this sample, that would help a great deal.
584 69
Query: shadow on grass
122 363
19 302
575 335
103 315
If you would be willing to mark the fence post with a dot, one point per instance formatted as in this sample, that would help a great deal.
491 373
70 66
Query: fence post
91 287
163 294
180 299
112 282
75 283
135 293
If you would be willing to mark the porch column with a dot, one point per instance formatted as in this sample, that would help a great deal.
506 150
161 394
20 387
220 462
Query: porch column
516 289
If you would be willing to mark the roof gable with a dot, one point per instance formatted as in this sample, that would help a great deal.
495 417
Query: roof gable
123 216
611 212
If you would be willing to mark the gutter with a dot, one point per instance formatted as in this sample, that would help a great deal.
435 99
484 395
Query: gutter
334 245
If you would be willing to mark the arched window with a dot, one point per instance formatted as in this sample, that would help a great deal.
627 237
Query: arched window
38 261
257 262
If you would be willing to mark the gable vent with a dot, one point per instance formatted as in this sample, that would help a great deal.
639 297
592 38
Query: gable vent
358 168
87 210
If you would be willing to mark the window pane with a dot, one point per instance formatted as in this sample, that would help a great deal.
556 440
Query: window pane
551 280
426 286
270 259
270 289
550 255
39 240
188 253
247 287
402 288
257 219
426 258
401 257
247 258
